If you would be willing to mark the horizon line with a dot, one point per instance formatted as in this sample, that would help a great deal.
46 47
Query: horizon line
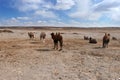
55 27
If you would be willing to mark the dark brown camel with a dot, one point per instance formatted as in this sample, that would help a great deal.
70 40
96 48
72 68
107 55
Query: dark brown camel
106 40
31 35
57 38
93 41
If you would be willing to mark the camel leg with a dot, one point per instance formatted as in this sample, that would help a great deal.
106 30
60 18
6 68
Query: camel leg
32 38
56 46
103 45
43 40
61 44
107 45
40 38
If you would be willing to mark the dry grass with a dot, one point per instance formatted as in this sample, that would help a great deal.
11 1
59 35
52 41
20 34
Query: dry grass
6 31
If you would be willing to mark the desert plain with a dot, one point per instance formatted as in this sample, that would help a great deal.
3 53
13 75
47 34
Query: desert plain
25 59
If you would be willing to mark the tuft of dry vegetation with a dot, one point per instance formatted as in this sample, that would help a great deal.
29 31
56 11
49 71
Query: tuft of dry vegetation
6 31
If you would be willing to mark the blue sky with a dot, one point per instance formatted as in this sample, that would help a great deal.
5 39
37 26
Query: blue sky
78 13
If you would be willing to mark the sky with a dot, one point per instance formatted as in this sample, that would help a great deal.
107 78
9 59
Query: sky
72 13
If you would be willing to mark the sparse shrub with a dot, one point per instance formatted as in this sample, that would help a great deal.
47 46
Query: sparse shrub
114 38
75 33
7 31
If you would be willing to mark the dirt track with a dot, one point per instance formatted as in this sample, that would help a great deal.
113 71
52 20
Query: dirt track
24 59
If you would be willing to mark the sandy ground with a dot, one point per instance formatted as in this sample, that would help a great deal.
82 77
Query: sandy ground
25 59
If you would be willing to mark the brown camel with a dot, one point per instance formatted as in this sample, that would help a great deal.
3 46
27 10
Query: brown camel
31 35
93 41
57 38
86 38
42 36
106 40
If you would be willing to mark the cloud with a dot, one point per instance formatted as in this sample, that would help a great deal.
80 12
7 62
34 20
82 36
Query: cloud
87 10
109 7
35 8
115 14
64 4
82 9
106 5
62 12
11 21
23 18
27 5
46 14
73 23
15 21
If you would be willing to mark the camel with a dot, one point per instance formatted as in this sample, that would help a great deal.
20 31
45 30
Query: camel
57 38
31 35
106 40
114 38
42 36
86 38
91 40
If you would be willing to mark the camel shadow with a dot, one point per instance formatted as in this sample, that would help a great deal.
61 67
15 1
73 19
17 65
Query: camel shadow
43 49
98 47
34 42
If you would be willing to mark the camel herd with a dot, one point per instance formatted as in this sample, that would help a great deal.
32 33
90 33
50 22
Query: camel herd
106 40
58 39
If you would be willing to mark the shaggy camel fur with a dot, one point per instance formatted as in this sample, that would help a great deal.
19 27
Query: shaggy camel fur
42 36
106 40
57 38
93 41
31 35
